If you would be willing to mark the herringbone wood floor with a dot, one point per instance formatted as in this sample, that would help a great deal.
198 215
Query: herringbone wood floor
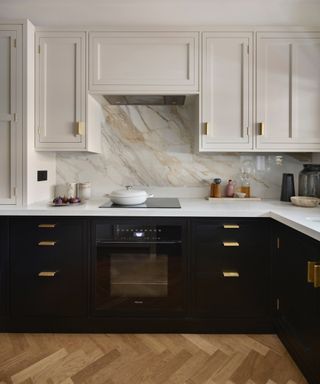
145 359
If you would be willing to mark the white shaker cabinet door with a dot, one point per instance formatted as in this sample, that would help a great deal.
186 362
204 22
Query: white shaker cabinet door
10 111
288 91
226 122
60 90
143 62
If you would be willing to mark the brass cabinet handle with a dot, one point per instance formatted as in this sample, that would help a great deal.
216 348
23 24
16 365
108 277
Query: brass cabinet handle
231 244
47 273
46 225
231 226
47 243
316 282
206 128
80 128
261 129
310 274
230 274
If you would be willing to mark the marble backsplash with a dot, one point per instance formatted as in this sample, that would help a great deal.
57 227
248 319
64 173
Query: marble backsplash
151 147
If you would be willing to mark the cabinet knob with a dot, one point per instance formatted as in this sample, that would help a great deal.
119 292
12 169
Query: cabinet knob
80 128
47 243
261 129
47 273
231 244
230 274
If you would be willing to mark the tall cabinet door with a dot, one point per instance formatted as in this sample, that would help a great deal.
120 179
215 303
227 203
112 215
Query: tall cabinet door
60 90
226 91
288 91
10 110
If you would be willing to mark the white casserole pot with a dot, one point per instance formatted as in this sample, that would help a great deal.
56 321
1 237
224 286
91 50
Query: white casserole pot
128 196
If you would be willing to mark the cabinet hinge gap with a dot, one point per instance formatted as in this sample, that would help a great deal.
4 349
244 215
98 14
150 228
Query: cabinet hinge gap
14 43
38 48
15 117
14 191
248 49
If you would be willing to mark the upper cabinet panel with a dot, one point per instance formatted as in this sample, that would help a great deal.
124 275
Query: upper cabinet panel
61 90
143 62
288 91
10 111
226 91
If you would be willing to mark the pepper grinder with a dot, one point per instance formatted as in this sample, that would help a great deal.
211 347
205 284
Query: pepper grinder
215 190
287 186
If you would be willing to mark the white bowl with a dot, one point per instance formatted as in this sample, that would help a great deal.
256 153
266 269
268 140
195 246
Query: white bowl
305 201
129 196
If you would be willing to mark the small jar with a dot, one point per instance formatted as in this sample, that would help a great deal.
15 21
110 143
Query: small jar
85 191
245 187
215 190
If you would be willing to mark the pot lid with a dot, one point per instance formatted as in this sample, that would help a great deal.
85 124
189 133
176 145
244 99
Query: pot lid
128 192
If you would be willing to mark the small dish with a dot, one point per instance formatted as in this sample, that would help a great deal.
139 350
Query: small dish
240 195
65 204
305 201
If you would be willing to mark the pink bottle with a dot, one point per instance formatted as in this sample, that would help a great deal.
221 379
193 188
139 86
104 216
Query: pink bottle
230 189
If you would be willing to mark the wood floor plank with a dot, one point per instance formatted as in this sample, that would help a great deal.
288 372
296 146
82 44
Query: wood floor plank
145 359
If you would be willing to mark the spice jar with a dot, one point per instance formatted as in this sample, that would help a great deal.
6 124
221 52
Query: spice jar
215 190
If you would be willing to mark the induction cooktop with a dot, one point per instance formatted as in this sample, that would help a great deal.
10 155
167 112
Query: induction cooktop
151 202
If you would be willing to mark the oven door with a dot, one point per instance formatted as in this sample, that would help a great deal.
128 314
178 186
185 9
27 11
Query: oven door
136 277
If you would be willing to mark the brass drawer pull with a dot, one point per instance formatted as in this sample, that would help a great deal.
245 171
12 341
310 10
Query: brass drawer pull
230 274
231 226
231 244
46 225
80 128
47 243
316 282
47 273
310 275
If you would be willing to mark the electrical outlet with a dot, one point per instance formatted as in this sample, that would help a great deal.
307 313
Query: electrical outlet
42 175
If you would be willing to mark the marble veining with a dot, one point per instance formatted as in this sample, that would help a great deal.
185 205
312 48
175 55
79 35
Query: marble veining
151 147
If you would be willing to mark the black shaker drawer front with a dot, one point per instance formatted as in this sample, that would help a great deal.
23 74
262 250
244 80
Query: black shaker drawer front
231 267
48 264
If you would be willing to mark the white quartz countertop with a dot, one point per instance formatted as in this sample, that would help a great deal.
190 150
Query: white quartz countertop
305 220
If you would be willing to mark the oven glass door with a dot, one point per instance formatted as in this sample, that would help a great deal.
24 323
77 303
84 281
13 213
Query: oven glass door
139 276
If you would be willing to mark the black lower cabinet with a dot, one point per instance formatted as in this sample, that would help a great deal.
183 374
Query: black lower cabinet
48 271
297 298
231 272
4 251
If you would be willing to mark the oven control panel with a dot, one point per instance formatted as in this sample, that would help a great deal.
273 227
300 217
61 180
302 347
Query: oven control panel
138 233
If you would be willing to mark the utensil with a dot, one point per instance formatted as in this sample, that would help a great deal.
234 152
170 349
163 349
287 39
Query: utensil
129 196
287 186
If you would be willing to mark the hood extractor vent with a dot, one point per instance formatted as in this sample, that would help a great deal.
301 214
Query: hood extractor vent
145 99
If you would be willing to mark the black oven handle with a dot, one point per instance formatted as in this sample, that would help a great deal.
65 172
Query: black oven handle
136 243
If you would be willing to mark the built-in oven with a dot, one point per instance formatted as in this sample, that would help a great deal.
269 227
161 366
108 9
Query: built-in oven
139 266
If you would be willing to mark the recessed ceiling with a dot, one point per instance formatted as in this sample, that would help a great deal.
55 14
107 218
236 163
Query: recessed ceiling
163 12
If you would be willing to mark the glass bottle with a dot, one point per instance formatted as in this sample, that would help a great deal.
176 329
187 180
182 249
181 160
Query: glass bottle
309 180
245 184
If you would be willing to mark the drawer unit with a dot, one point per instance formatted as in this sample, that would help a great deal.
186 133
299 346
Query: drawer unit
231 267
3 265
48 267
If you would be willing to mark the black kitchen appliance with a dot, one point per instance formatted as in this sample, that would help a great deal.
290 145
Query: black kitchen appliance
139 267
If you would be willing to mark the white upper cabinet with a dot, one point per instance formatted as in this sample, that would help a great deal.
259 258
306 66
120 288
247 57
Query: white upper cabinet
60 90
10 110
288 91
226 117
143 62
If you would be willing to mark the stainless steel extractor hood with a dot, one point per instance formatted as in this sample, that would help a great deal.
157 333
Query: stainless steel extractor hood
145 99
